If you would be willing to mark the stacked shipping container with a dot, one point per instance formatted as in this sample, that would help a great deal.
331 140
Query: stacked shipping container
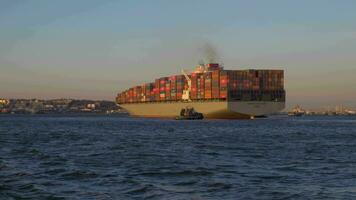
224 79
194 89
180 85
173 88
162 88
207 85
215 84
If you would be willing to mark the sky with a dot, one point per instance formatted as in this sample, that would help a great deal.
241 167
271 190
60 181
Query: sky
92 49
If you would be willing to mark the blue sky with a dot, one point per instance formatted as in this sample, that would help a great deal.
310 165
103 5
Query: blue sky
95 48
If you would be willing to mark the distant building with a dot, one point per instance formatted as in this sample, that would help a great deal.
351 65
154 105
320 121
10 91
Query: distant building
27 106
4 101
91 106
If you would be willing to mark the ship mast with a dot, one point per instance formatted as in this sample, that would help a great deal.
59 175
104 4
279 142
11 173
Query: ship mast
186 93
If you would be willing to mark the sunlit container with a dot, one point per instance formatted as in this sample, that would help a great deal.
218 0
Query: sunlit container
173 87
215 85
162 88
181 82
168 90
194 90
148 92
131 95
200 86
212 66
208 85
223 84
137 94
156 90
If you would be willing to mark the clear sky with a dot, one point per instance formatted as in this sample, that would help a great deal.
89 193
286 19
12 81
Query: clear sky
95 48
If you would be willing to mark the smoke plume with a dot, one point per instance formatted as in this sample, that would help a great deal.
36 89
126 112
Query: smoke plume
210 53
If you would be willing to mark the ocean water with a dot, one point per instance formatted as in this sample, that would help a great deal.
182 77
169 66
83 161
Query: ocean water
118 157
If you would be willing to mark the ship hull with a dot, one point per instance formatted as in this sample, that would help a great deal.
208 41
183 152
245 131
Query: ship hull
210 109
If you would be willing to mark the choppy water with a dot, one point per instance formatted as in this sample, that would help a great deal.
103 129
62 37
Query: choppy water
102 157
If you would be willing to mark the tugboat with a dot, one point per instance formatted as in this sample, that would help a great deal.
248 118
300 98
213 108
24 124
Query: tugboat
189 113
297 112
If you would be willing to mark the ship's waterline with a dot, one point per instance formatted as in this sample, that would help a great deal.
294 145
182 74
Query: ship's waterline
210 109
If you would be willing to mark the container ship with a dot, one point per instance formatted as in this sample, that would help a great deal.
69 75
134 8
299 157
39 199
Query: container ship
211 90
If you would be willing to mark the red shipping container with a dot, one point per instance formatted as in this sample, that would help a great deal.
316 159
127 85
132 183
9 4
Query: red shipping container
212 66
156 90
223 84
215 84
208 85
193 94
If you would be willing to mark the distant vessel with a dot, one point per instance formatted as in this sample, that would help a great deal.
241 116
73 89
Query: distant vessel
210 90
189 114
297 111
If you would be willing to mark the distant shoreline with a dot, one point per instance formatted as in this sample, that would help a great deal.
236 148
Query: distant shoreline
57 106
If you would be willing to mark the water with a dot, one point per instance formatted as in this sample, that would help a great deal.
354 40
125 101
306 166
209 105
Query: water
103 157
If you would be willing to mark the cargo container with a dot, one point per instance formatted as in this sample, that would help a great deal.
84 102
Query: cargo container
162 88
212 66
194 90
224 79
180 82
208 85
215 84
